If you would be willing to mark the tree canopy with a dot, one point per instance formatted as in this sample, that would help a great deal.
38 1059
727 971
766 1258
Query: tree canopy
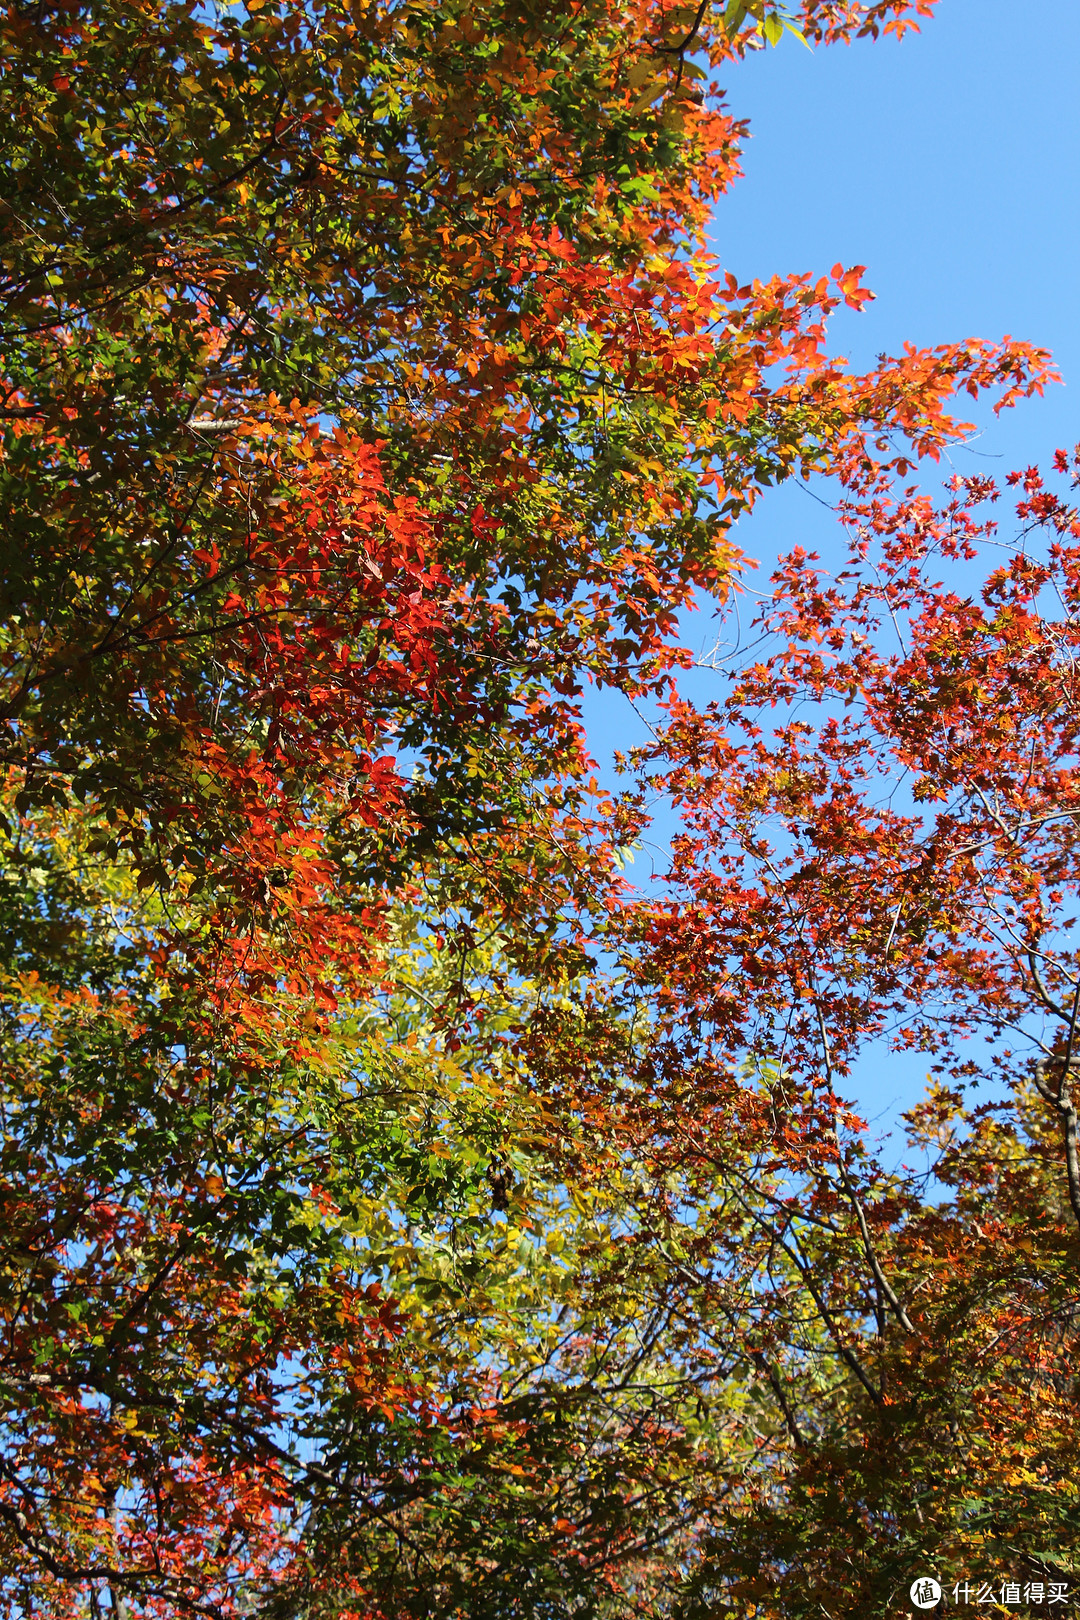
403 1214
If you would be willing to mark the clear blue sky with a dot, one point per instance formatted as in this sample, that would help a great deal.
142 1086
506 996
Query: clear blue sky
949 164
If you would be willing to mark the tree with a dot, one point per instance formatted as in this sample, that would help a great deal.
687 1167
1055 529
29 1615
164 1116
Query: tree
881 846
366 390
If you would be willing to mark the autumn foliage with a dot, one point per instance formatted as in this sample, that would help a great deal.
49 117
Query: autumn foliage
402 1212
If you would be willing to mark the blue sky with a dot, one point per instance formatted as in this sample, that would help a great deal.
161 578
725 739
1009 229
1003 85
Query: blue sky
948 163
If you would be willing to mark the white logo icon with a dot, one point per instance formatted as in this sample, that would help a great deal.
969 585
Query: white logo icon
925 1592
